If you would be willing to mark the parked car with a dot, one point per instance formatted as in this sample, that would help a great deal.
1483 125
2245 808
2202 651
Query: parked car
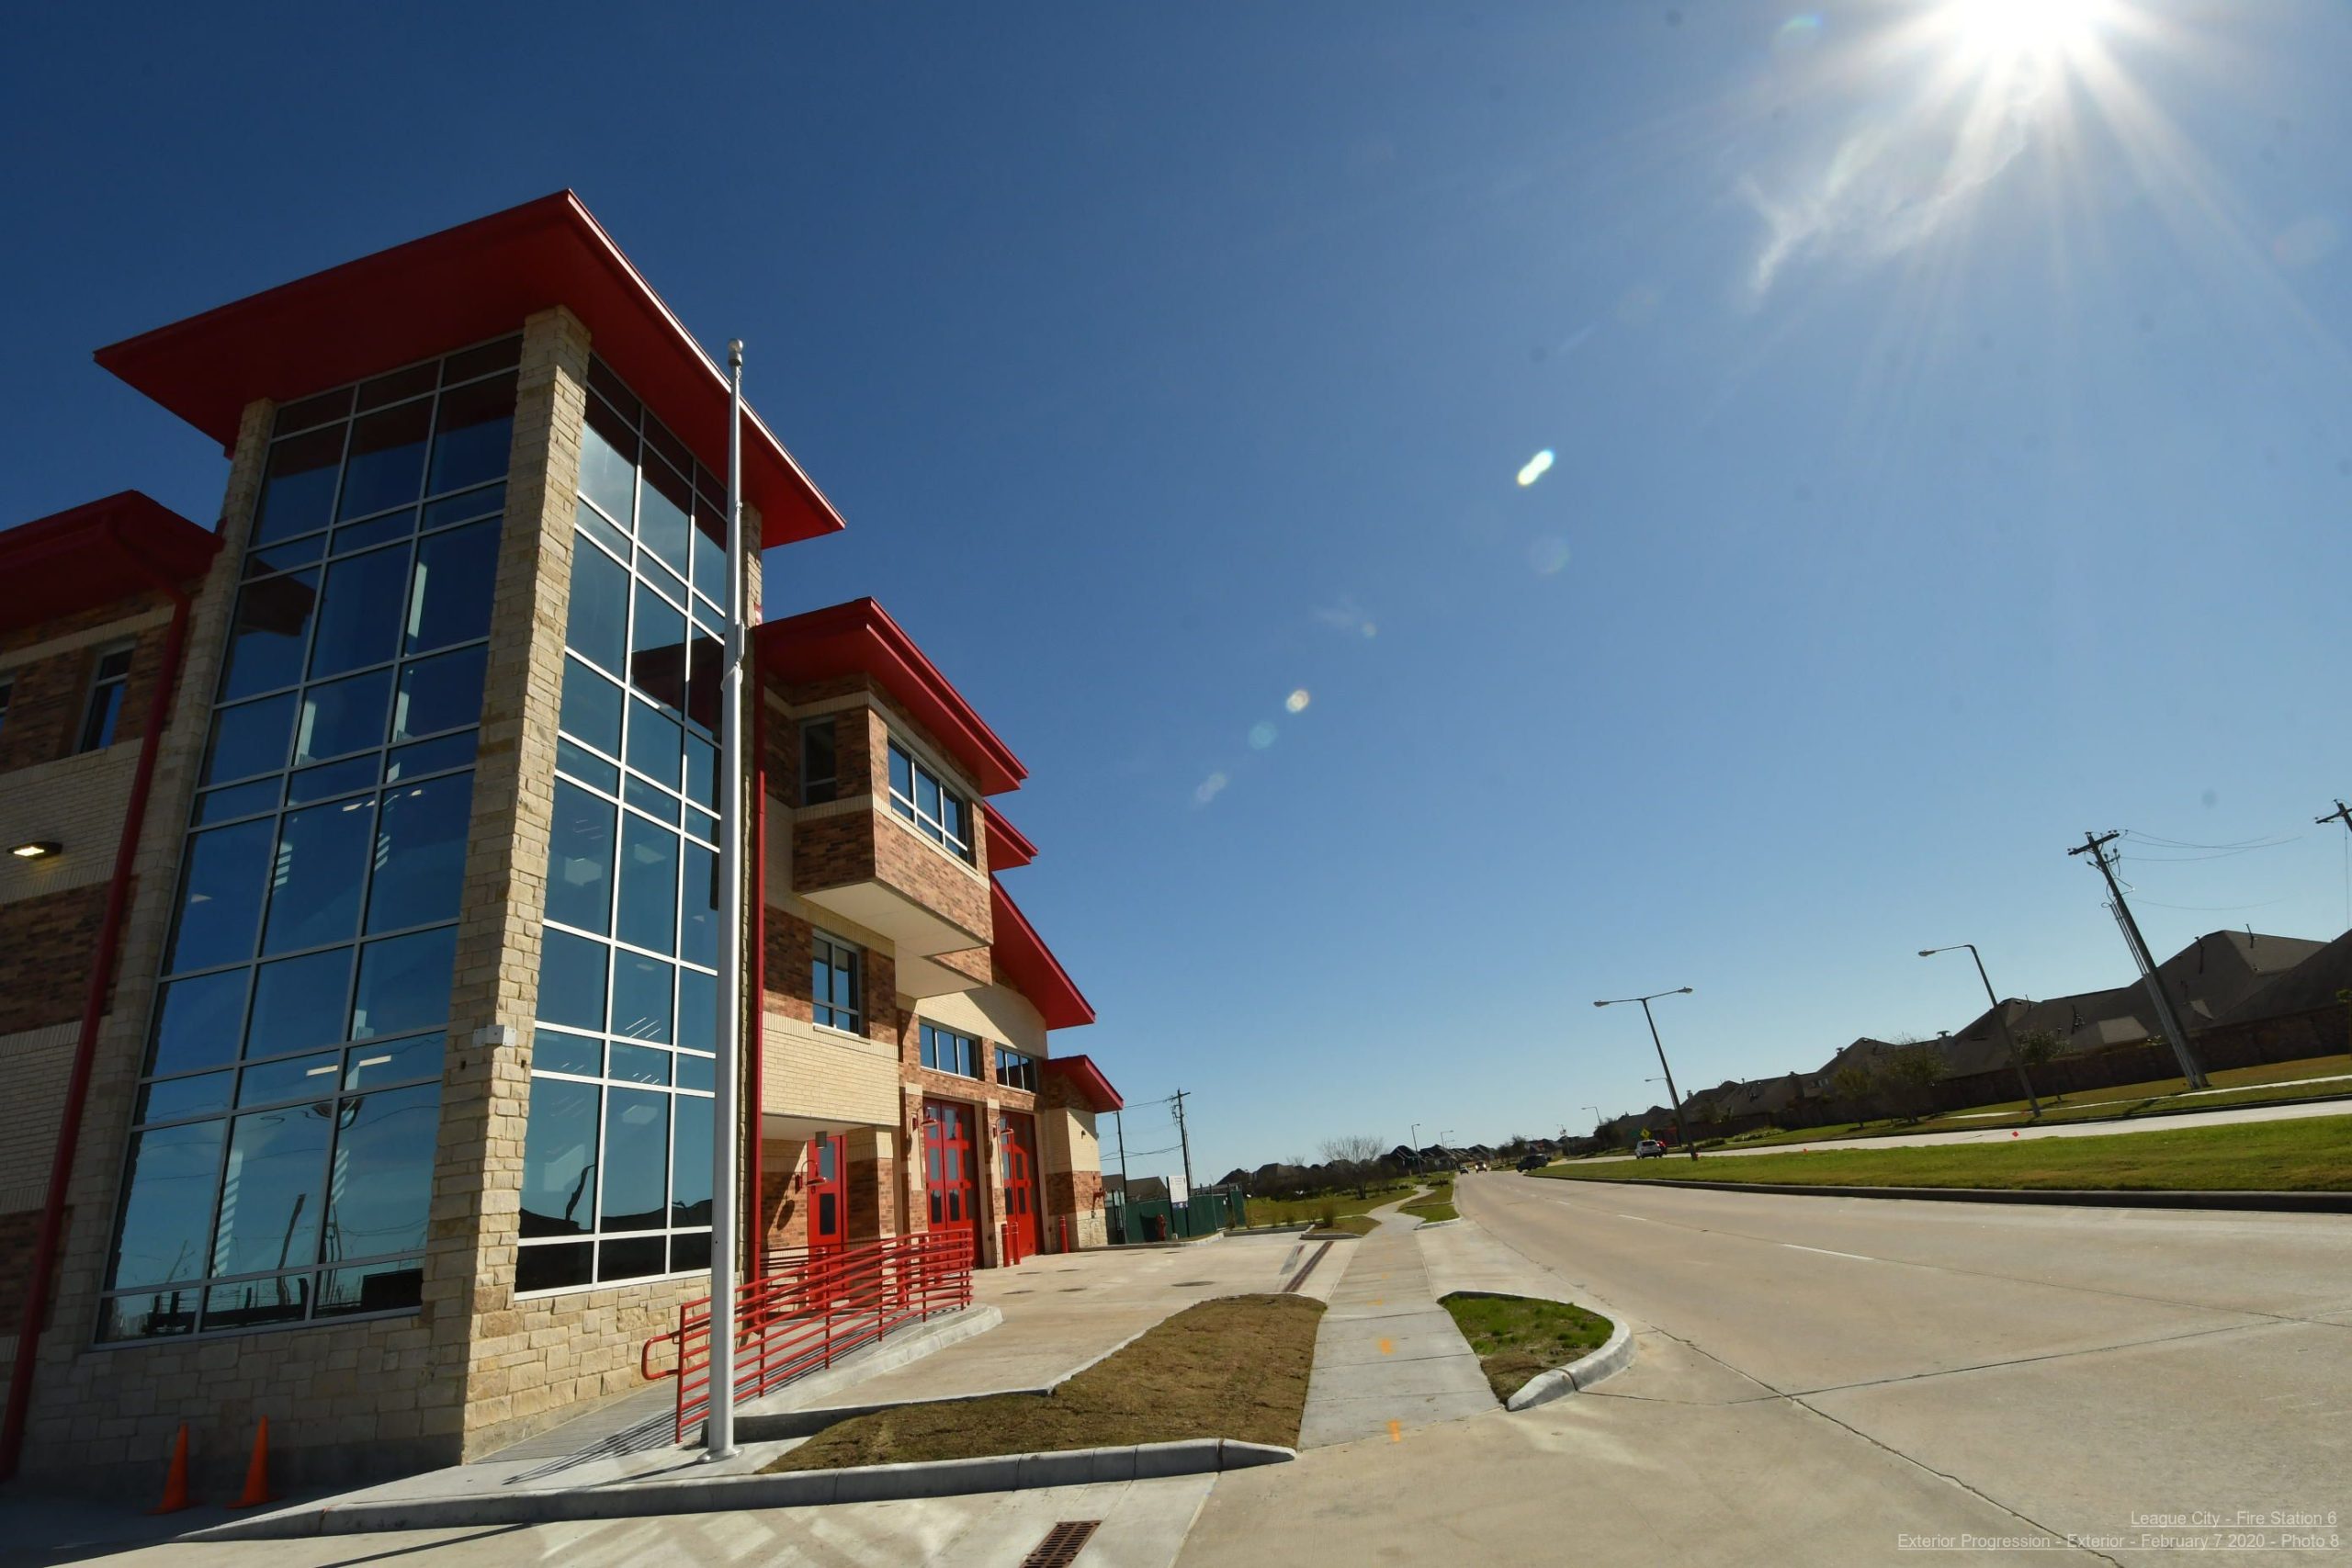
1649 1148
1533 1162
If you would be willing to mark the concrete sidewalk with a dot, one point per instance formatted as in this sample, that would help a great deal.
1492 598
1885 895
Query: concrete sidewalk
1387 1358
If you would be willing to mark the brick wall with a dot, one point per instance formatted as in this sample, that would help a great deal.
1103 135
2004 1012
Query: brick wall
35 1066
76 801
20 1230
49 666
927 873
46 943
827 851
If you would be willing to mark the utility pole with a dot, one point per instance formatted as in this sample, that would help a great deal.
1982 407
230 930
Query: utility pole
1126 1193
1185 1143
2095 845
2341 813
1670 1091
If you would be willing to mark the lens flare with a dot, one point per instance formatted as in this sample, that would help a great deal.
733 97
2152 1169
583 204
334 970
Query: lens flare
1537 467
1262 735
1548 555
1209 789
1297 702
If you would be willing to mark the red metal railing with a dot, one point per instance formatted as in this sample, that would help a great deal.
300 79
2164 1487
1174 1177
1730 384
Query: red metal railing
812 1306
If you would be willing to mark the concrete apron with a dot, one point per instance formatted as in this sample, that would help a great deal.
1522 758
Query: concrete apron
1387 1358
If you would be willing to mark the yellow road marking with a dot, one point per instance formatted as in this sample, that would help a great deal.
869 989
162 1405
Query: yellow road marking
1388 1346
1395 1431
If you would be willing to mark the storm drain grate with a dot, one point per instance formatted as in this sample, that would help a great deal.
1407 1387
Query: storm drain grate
1062 1544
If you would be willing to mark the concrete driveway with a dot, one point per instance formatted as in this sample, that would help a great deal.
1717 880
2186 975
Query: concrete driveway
1820 1379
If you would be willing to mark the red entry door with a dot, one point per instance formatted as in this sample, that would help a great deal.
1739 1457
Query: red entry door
948 1165
828 1192
1021 1185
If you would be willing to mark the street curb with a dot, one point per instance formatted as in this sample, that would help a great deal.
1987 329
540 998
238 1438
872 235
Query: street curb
1577 1375
2144 1198
796 1489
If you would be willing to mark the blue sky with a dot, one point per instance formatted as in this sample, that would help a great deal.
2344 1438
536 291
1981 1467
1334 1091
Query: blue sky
1953 452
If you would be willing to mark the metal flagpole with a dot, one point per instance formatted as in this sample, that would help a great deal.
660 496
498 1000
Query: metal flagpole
718 1431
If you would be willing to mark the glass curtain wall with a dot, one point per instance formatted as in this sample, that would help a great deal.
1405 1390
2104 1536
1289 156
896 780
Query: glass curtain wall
616 1161
281 1162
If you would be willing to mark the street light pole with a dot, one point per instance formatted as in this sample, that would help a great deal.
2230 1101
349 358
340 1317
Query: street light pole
2000 1014
1671 1094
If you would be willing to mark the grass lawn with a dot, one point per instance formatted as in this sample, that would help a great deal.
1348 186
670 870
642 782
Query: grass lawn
2311 1155
2244 1085
1353 1224
1517 1336
1233 1367
1436 1204
1291 1211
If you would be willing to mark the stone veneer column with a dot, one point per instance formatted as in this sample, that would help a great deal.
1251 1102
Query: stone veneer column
73 1386
479 1342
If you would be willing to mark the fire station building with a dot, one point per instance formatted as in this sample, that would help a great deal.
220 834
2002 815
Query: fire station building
359 919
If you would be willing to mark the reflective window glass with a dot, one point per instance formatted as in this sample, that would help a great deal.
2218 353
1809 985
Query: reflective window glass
571 980
298 485
167 1207
552 1051
224 876
332 779
637 1160
393 1061
580 860
293 1078
299 1002
237 800
267 634
698 929
648 890
430 757
403 984
690 1164
657 650
371 1287
341 717
641 997
711 549
591 707
315 883
420 854
196 1021
361 619
639 1063
382 1176
697 1010
449 600
175 1097
596 624
662 505
272 1189
474 428
553 1267
386 466
559 1160
440 693
608 462
249 739
655 744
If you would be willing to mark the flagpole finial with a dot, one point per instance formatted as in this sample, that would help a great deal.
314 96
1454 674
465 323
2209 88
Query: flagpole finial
735 352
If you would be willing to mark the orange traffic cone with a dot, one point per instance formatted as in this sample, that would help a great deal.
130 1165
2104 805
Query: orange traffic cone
256 1492
175 1495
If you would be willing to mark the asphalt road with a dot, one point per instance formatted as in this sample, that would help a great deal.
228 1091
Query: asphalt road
1820 1377
2055 1129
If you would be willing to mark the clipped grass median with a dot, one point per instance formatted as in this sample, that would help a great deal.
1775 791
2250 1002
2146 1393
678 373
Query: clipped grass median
1265 1211
1233 1367
1516 1338
2310 1154
1435 1204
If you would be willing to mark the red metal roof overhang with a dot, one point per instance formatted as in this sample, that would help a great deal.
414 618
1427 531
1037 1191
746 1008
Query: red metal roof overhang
444 291
860 639
1023 957
1008 846
90 555
1087 1079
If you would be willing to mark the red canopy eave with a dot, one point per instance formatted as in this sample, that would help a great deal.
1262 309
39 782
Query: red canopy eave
460 286
860 639
95 553
1023 957
1087 1079
1009 847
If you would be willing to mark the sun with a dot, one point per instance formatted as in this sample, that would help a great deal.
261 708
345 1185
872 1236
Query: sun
2006 33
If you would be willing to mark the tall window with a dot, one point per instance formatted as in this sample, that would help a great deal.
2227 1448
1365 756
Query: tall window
818 768
938 813
103 711
617 1161
1016 1070
281 1161
834 980
944 1051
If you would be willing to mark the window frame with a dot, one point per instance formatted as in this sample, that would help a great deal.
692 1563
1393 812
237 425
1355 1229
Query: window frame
920 770
113 690
818 942
969 1047
1023 1077
830 724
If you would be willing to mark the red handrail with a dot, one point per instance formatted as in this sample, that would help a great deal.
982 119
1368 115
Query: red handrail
810 1306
